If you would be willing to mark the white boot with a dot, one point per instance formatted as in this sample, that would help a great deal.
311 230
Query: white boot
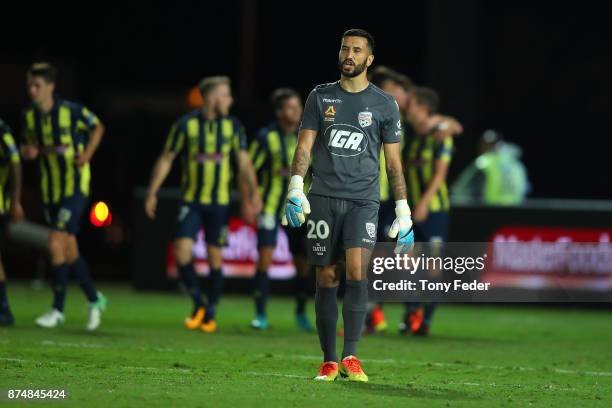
51 319
94 319
95 312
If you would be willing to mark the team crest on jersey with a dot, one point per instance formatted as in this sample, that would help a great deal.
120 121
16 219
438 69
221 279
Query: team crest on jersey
371 228
365 119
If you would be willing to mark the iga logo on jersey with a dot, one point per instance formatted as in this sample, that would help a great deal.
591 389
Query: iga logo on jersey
345 140
365 119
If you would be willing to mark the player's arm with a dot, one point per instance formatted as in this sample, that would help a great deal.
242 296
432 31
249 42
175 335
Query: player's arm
29 146
402 225
162 167
87 120
391 133
15 210
297 205
395 173
95 137
443 126
174 144
440 172
247 179
421 209
247 184
303 149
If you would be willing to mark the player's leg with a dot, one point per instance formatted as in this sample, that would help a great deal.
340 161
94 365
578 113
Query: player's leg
261 284
57 251
215 220
79 268
6 317
375 320
323 234
359 239
215 287
97 301
437 235
73 210
189 222
297 246
267 230
326 310
354 310
413 311
302 280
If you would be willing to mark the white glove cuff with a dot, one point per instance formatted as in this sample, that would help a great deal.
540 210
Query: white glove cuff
402 208
296 182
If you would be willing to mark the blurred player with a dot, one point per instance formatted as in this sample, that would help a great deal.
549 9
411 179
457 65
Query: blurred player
207 140
64 136
272 154
397 85
428 161
400 87
344 125
10 204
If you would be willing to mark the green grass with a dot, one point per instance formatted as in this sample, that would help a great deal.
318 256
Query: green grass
477 356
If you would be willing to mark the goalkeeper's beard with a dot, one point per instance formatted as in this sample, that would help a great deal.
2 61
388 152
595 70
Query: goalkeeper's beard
356 71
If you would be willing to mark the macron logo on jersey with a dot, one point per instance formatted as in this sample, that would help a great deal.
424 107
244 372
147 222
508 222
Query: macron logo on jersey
345 140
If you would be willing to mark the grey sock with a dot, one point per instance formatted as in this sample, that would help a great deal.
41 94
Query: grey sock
354 312
326 309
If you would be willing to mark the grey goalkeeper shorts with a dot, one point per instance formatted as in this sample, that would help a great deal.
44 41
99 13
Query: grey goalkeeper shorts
335 225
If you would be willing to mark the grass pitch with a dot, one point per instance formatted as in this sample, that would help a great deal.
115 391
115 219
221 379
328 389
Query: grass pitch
479 356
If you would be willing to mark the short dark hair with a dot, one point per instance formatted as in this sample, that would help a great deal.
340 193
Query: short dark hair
428 97
380 74
208 84
280 95
406 82
358 32
43 70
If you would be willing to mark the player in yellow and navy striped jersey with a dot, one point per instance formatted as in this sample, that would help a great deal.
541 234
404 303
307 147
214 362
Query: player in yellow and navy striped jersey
10 203
427 163
400 87
206 141
64 136
272 153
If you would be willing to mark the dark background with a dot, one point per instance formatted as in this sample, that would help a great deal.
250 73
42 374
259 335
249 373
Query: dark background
539 73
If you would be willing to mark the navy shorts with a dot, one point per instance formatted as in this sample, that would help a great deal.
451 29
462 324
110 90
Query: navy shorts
295 236
214 219
67 214
434 228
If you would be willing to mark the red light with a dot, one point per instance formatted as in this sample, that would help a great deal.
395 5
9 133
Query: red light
100 215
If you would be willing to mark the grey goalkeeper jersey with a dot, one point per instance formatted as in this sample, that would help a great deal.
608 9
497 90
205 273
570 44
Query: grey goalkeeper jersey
351 128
